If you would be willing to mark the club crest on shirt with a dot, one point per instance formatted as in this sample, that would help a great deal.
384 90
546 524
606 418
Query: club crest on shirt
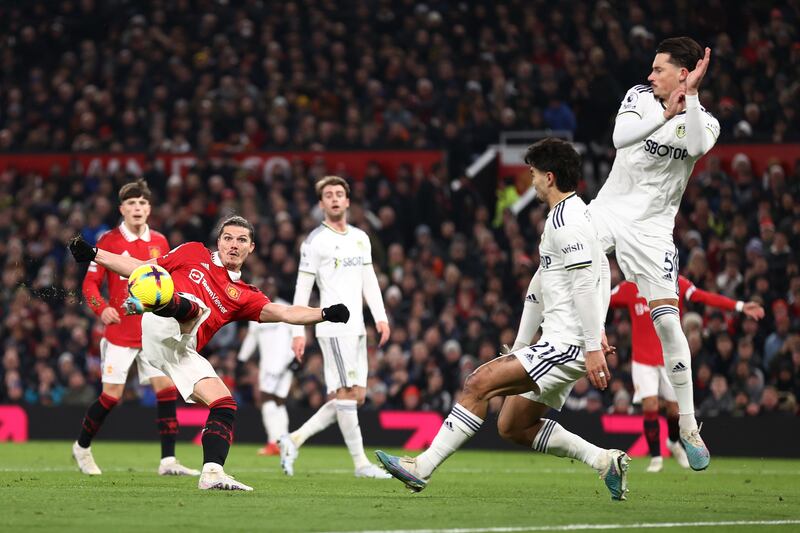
232 292
680 131
154 251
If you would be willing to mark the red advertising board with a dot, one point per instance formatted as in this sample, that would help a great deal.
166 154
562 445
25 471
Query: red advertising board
348 163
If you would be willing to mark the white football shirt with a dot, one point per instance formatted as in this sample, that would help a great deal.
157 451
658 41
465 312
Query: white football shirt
337 262
568 242
648 178
274 343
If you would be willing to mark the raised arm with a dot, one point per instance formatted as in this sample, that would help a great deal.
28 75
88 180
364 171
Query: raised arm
83 252
634 123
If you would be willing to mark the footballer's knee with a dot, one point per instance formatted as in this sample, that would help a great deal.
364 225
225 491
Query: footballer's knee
507 429
477 385
650 404
114 390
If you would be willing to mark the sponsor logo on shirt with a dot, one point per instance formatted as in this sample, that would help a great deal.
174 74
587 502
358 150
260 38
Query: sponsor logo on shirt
664 150
348 261
200 278
546 261
574 247
196 276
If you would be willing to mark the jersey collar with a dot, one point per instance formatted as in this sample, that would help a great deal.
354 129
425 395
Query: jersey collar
564 200
235 276
129 235
336 231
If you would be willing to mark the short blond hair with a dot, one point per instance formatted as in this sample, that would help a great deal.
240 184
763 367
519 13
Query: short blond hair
331 180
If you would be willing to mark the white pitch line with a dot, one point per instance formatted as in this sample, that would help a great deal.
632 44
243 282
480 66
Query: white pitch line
562 471
590 527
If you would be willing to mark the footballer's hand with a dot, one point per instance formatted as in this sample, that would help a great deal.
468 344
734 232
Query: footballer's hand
109 316
133 306
676 103
299 347
82 251
607 348
694 78
753 310
336 313
596 369
385 331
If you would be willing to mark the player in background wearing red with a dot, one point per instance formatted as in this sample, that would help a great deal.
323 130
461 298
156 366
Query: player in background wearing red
122 339
209 293
650 380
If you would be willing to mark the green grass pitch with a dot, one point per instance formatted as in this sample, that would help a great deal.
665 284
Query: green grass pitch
40 490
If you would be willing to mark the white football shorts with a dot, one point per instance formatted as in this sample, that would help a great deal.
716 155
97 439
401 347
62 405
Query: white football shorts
274 376
116 361
650 381
648 260
554 368
175 353
345 361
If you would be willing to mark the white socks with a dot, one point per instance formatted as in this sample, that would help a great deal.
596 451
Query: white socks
457 429
323 418
276 420
347 416
553 439
677 360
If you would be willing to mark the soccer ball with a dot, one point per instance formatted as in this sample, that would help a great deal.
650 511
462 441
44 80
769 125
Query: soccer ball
151 285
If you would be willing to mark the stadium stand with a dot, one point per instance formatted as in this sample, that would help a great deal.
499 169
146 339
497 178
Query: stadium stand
225 78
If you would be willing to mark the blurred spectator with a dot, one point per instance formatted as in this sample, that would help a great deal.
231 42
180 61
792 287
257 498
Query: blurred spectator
720 402
154 77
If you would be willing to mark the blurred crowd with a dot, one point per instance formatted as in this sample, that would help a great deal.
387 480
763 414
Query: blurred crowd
183 75
221 77
453 282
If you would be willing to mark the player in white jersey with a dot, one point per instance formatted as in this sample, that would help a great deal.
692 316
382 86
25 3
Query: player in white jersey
660 132
273 340
338 257
570 347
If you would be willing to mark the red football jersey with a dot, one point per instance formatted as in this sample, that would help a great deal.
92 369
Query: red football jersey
646 346
121 241
197 271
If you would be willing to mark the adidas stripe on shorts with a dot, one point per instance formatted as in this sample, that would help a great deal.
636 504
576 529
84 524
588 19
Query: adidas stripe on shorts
554 367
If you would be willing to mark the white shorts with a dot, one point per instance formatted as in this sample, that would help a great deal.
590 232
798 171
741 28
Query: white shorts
650 381
116 361
648 260
166 348
274 376
345 361
554 368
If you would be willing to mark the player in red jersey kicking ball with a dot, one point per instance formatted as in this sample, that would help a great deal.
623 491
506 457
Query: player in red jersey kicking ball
209 293
122 340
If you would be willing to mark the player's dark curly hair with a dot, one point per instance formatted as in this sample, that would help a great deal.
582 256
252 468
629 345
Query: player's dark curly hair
560 158
236 220
683 51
